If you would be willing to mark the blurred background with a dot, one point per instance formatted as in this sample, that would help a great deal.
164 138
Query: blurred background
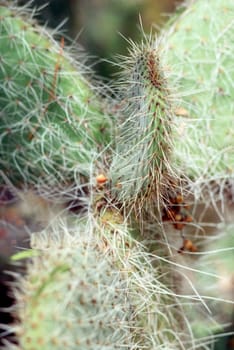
99 22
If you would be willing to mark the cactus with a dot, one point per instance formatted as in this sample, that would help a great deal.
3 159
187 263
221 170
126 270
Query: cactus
178 121
92 290
90 283
53 121
141 168
200 57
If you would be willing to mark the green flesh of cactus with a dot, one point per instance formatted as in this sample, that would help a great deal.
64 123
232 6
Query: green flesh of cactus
144 137
200 55
76 301
93 290
53 123
160 139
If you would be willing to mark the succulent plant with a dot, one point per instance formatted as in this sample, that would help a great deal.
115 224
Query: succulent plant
94 287
53 121
199 51
177 98
154 161
141 168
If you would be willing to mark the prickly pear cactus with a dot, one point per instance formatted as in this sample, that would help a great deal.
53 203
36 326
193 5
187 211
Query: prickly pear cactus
80 288
92 290
199 52
90 285
53 121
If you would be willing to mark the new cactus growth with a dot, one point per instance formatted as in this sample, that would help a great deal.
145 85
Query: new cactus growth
177 118
141 168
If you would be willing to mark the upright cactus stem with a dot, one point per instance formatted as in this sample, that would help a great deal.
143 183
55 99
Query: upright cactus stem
141 168
163 141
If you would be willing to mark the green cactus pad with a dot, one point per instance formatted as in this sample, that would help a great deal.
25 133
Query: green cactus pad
53 121
200 55
93 287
